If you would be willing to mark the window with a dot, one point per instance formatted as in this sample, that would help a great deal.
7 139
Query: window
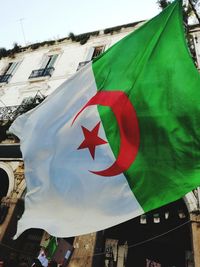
46 67
93 53
49 61
8 72
98 50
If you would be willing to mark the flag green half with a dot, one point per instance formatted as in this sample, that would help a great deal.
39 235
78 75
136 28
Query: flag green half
152 66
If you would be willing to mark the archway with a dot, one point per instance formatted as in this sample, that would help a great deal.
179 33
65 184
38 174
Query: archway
4 181
7 171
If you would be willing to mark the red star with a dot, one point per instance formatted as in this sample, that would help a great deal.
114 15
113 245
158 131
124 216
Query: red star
91 139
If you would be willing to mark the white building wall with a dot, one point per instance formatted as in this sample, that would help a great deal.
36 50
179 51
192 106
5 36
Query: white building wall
196 36
70 55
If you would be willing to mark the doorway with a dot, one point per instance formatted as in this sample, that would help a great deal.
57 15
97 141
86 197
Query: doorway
4 181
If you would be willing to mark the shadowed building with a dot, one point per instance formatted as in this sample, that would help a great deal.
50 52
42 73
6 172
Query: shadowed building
169 236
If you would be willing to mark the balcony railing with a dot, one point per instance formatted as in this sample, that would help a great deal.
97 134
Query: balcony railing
81 64
7 113
41 72
5 78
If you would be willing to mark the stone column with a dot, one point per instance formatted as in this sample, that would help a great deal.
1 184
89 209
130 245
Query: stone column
12 204
195 227
85 247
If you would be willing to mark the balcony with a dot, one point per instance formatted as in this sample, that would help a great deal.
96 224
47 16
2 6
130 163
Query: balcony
5 78
41 72
7 113
81 64
10 151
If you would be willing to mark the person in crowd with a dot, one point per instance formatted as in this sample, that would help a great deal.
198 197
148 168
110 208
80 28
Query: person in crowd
42 258
36 263
23 264
52 263
11 261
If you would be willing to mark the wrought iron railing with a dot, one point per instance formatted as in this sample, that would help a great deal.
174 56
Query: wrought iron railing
5 78
7 113
41 72
82 64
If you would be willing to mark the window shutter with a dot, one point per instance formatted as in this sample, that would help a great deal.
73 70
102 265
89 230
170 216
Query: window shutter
45 62
12 67
90 53
52 61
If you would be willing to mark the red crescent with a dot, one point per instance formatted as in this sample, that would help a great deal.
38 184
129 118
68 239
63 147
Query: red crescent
128 128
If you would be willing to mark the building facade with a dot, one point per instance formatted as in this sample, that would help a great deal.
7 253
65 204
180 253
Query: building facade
27 76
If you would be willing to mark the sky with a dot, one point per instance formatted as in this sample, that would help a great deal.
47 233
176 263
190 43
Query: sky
27 21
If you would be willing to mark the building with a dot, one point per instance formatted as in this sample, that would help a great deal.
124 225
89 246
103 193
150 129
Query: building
169 236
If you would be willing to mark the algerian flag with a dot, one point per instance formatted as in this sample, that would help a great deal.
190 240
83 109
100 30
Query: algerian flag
51 247
119 138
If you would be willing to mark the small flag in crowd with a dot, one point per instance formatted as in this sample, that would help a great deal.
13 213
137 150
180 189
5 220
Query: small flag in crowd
51 247
150 263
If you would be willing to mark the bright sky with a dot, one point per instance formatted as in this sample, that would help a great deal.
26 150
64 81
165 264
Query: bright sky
31 21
